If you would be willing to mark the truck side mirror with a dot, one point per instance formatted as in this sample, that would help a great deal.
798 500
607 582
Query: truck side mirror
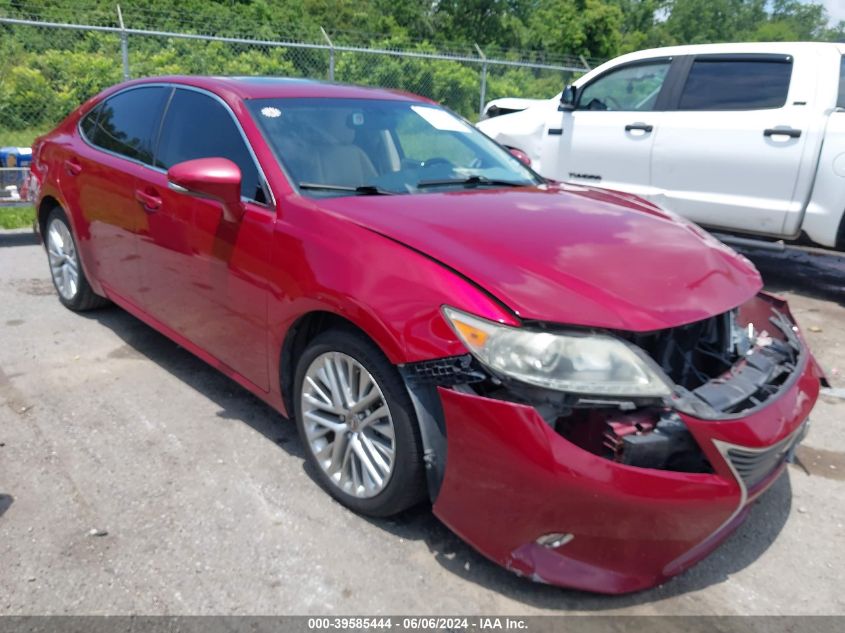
568 98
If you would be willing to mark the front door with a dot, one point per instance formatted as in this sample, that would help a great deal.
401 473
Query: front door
204 276
607 140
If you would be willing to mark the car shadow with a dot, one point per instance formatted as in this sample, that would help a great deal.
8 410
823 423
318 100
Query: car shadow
419 524
812 273
5 503
234 401
18 238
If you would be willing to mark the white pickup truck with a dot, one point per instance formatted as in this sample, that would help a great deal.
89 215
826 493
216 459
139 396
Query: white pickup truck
740 138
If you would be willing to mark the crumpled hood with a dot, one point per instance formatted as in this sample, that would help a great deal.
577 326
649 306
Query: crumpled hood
570 255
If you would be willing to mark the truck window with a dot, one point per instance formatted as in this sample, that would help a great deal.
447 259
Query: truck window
630 88
840 102
736 84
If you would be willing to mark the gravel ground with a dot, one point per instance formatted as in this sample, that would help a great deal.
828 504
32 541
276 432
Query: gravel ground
135 479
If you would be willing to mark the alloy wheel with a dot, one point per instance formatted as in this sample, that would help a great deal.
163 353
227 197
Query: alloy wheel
64 263
348 424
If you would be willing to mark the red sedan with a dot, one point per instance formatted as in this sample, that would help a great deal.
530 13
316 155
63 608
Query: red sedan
588 389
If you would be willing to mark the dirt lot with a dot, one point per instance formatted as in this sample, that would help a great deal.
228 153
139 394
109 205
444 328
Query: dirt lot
203 504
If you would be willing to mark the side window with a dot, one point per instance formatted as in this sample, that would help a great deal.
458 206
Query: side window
630 88
89 122
840 102
197 126
128 122
736 84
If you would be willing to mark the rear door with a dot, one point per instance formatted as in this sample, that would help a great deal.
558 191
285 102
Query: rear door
607 140
730 155
206 277
116 148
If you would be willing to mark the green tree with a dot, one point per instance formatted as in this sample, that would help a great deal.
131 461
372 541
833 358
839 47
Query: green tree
583 27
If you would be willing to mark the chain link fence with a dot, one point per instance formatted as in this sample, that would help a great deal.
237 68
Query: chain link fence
49 68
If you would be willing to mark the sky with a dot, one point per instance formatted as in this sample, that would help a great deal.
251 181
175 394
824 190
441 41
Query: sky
836 9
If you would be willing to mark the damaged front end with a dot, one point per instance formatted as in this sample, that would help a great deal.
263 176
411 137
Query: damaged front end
741 385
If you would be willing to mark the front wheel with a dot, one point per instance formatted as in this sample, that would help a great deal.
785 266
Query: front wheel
65 268
358 425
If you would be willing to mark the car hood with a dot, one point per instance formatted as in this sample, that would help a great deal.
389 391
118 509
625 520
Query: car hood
573 255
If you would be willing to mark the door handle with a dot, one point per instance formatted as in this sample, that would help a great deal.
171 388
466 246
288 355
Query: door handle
782 131
149 201
643 127
72 167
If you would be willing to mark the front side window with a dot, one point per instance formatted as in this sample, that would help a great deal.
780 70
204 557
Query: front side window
840 102
629 89
332 147
736 84
128 121
198 126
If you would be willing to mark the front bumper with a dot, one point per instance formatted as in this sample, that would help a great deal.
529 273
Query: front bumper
510 479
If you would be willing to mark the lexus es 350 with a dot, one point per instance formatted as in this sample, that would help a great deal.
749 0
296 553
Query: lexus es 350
589 390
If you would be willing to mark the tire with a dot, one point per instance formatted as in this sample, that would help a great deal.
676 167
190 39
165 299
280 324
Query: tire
351 484
66 271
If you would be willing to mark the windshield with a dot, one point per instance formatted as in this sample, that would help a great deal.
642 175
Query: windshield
335 147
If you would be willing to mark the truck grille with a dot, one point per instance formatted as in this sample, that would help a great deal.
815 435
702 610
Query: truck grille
754 465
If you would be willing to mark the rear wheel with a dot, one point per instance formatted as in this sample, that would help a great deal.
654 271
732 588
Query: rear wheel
358 426
65 268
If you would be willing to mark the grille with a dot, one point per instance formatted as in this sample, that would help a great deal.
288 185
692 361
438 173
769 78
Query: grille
446 372
754 465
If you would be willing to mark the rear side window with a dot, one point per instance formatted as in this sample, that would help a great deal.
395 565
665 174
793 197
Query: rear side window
89 122
198 126
840 102
128 122
736 84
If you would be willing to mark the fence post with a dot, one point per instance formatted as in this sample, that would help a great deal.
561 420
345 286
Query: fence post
483 96
331 53
124 45
586 63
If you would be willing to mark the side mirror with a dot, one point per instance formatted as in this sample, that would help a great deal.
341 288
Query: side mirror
568 99
521 156
214 178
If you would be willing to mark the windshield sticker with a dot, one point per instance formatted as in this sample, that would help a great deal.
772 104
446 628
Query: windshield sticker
441 119
271 113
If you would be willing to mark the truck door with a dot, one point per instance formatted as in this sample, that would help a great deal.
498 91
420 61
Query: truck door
607 140
730 154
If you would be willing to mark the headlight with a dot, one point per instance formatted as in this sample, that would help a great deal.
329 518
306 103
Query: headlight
596 364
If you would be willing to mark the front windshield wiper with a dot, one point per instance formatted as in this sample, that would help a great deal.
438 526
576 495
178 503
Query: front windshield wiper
470 180
364 190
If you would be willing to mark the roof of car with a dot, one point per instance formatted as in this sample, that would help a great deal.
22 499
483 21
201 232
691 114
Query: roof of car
269 87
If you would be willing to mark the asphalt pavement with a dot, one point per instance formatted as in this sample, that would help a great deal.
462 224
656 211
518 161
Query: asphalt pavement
136 479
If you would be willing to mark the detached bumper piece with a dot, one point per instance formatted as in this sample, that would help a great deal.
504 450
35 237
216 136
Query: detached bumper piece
615 499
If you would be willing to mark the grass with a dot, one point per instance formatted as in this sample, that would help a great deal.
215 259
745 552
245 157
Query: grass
16 217
20 138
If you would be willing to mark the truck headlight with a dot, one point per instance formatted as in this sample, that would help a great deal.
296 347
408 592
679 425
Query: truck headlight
584 363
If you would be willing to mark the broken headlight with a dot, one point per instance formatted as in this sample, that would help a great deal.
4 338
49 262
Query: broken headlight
585 363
